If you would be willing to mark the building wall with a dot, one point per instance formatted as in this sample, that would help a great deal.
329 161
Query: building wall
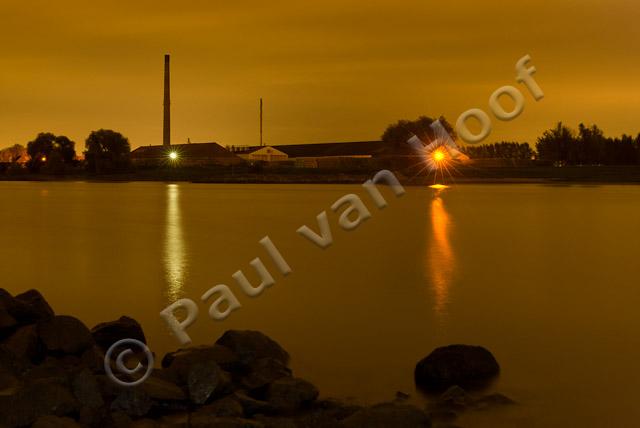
265 154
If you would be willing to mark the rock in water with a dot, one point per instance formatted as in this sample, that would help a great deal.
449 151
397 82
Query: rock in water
454 399
251 345
64 334
108 333
388 415
492 400
463 365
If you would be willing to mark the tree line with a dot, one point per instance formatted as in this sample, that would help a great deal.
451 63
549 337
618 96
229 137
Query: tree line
587 146
105 151
559 145
502 150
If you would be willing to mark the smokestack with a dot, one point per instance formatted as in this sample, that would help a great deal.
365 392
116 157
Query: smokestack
260 122
166 129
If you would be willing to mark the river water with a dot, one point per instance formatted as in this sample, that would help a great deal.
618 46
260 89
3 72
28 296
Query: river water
546 277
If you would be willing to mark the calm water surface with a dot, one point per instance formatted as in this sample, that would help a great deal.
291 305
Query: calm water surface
544 276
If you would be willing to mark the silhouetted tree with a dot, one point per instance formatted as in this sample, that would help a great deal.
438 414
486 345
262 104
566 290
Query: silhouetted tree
588 147
555 144
107 151
397 134
51 151
66 148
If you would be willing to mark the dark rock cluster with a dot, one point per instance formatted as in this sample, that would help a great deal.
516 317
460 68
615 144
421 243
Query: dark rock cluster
52 375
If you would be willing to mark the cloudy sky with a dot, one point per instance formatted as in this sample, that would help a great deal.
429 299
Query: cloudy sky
335 70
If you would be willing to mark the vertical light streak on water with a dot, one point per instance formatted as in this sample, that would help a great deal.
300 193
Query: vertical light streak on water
175 258
440 257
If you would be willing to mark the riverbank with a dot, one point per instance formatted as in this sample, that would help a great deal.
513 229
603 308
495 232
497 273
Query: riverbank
53 374
495 175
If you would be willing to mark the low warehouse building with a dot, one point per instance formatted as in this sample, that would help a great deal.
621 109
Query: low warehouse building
316 155
261 154
184 155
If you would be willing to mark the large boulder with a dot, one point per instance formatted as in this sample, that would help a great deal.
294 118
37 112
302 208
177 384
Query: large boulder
25 308
9 382
162 390
39 306
11 363
287 395
250 405
108 333
262 372
132 401
388 415
206 380
177 364
87 390
64 334
463 365
23 343
34 400
250 345
52 368
7 322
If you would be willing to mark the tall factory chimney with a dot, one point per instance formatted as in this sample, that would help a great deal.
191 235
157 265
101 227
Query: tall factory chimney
260 122
166 128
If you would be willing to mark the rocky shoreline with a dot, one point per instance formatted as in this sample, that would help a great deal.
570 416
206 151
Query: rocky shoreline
52 374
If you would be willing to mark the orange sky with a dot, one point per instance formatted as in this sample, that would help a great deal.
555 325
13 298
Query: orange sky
335 70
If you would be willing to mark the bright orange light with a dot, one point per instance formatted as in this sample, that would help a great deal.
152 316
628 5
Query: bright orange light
44 159
439 186
438 155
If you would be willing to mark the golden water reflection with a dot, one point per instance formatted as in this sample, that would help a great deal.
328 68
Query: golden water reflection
175 258
440 256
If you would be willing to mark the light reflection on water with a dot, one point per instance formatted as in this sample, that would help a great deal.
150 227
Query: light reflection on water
175 259
440 256
546 277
